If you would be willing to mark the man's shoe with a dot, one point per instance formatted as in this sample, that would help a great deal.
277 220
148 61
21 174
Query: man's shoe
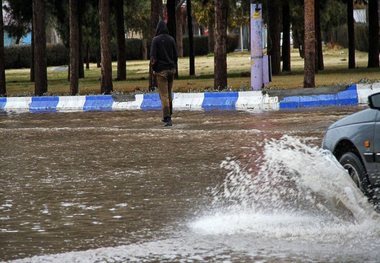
166 119
168 123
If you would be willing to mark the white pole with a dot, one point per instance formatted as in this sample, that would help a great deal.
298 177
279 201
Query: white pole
256 47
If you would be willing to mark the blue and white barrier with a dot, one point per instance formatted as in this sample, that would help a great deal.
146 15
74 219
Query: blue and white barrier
364 90
188 101
151 101
129 105
17 104
98 103
255 100
71 103
44 104
343 98
246 100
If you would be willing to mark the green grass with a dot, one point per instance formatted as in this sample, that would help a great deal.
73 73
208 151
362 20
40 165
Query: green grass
335 73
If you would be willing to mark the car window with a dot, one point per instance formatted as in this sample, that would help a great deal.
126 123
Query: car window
375 101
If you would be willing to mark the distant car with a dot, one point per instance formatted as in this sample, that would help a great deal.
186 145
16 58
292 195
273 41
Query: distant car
355 142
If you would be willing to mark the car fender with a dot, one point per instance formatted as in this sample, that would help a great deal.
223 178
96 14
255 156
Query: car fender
356 134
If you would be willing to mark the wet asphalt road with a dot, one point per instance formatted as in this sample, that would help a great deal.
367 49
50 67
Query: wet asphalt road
78 181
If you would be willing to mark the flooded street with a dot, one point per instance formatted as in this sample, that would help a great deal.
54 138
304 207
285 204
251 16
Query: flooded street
217 186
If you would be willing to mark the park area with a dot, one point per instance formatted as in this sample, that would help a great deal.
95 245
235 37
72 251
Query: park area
336 73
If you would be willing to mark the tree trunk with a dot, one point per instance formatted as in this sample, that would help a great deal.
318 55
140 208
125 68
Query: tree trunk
274 34
191 39
351 34
286 37
155 13
3 89
211 35
319 65
179 33
298 42
68 68
106 59
80 53
220 50
87 55
170 7
144 50
40 70
309 67
373 49
98 63
120 35
74 47
32 56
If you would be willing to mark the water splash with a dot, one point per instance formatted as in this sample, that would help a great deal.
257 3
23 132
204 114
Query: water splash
294 203
293 190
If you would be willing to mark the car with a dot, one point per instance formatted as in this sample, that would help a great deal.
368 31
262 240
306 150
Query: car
355 143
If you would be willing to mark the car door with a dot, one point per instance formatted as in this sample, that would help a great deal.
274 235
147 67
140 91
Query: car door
376 171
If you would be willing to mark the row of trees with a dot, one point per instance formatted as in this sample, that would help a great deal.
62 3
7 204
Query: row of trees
312 38
310 21
2 67
85 23
79 23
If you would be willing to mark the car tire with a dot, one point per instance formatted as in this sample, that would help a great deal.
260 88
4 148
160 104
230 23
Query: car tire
355 168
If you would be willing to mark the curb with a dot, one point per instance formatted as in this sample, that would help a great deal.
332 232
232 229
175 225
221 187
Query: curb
342 98
246 100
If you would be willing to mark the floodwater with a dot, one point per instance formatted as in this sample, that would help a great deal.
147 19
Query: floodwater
217 186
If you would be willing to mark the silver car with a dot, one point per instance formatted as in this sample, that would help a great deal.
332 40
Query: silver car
355 142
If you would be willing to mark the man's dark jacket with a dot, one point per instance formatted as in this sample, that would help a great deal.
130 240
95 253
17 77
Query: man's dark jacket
163 52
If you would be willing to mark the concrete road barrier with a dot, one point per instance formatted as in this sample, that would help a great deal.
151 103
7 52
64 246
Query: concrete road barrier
243 100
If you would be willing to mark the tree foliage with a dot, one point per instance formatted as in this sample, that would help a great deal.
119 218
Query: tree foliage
333 14
18 18
137 16
204 11
238 12
137 19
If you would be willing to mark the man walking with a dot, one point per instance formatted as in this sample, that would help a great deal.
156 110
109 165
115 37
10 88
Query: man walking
164 59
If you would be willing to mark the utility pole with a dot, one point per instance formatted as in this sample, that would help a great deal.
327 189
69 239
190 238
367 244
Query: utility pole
256 46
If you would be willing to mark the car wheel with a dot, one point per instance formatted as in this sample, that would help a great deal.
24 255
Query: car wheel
355 168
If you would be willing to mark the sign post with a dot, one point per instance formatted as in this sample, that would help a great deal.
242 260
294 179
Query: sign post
256 47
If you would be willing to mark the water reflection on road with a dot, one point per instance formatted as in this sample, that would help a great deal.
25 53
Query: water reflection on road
118 186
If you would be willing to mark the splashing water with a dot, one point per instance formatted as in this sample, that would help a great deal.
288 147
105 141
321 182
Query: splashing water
298 191
295 203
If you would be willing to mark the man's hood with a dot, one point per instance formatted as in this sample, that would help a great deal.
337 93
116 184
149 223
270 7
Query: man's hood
161 28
